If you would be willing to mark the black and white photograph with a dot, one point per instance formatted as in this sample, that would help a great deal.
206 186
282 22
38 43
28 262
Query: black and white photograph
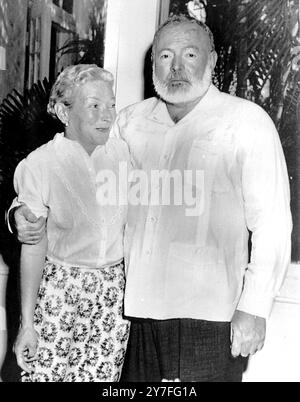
149 193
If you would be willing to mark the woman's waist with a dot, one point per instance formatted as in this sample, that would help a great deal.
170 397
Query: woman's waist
92 264
86 251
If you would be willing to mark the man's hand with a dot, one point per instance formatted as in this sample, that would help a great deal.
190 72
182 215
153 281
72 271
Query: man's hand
26 347
30 229
247 334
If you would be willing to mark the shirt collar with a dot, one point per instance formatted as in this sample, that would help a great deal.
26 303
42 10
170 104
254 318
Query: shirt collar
160 113
207 103
67 147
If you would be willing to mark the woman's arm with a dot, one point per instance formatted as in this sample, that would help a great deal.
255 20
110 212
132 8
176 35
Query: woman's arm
32 264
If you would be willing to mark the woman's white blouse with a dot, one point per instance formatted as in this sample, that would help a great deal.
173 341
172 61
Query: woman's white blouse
61 182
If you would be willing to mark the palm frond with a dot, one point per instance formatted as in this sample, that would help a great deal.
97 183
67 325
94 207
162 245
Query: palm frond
24 126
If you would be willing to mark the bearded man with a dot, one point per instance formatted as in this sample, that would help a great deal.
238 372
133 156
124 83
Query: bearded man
197 306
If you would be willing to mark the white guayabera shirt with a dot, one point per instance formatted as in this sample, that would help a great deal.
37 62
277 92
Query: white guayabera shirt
60 181
185 262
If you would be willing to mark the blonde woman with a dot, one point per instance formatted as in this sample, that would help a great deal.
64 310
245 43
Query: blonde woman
72 282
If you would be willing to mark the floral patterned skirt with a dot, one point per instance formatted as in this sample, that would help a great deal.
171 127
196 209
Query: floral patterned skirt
79 319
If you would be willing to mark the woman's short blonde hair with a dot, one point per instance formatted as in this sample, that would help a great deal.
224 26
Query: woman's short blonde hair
71 77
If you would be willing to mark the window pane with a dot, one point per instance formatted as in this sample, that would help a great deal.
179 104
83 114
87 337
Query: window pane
68 6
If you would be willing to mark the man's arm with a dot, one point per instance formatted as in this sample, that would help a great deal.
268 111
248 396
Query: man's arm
28 228
265 189
30 184
32 264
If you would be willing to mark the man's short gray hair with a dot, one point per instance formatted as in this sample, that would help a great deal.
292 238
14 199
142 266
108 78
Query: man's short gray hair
180 19
74 76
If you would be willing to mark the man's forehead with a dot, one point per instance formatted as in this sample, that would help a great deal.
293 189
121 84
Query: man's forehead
185 31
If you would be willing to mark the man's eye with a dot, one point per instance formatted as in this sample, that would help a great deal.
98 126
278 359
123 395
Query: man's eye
191 55
164 56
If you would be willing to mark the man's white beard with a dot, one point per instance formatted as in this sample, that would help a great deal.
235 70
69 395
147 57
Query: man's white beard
183 95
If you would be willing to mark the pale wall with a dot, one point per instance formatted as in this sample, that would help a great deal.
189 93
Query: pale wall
279 361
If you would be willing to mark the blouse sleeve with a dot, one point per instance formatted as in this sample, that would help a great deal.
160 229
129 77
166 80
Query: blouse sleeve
29 185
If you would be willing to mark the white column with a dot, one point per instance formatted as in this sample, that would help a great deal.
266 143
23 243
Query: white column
130 28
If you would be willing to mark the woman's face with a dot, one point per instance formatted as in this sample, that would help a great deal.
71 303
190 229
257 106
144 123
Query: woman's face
92 114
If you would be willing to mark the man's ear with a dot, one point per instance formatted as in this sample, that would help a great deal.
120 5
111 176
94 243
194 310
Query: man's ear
213 59
62 113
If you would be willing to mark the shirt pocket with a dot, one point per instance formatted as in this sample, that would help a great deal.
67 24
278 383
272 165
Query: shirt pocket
180 273
207 156
193 254
194 272
200 152
221 184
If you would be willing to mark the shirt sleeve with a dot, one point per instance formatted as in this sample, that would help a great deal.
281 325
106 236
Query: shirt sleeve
29 184
13 205
265 187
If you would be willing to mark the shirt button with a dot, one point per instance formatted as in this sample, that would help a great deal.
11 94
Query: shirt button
153 219
148 252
